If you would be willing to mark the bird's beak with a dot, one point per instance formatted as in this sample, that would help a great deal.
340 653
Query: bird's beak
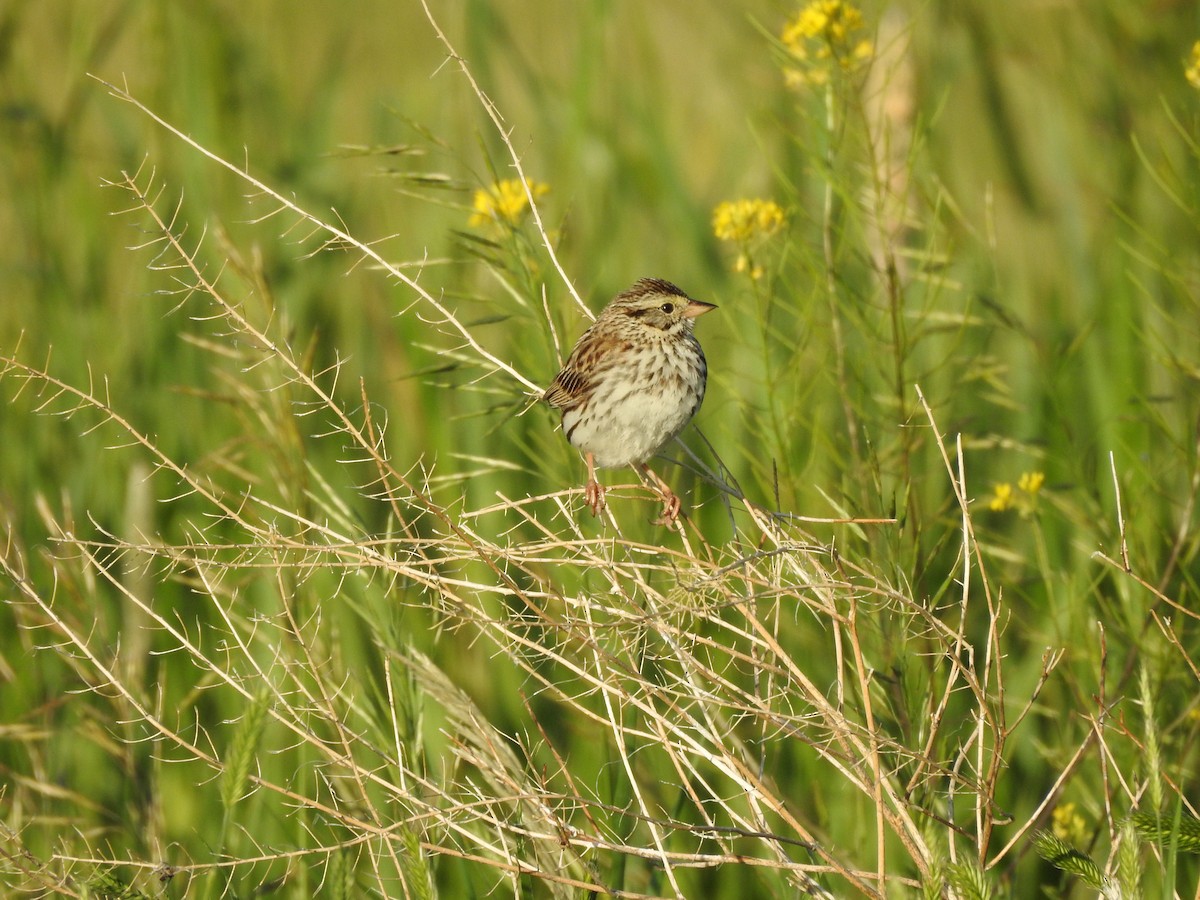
697 308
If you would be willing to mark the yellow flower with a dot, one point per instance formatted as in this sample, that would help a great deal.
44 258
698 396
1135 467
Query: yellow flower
747 223
831 20
1024 498
1068 825
504 203
744 264
824 32
1002 497
1192 72
744 221
1031 482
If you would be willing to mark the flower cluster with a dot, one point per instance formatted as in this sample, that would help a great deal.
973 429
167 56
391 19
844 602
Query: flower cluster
505 203
825 34
1192 72
747 220
1028 486
1068 825
747 223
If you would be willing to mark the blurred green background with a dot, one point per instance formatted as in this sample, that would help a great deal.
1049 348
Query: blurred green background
1051 261
640 120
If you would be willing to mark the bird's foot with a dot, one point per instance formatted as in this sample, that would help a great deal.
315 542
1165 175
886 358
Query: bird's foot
671 505
671 502
594 496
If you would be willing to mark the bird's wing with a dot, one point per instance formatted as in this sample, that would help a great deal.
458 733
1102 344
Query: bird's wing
568 389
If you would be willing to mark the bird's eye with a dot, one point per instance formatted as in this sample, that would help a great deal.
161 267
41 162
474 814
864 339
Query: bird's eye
668 308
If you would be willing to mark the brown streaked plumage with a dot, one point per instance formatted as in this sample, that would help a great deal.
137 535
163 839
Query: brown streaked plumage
632 382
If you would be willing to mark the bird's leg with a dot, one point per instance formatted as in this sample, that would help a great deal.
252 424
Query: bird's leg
671 502
594 492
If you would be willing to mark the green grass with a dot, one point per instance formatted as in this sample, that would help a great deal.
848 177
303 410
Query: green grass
301 598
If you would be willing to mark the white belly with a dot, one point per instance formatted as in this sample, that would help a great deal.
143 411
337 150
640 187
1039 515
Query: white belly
621 426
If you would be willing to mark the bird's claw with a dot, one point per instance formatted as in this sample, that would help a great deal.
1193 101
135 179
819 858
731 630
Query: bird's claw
594 496
671 506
